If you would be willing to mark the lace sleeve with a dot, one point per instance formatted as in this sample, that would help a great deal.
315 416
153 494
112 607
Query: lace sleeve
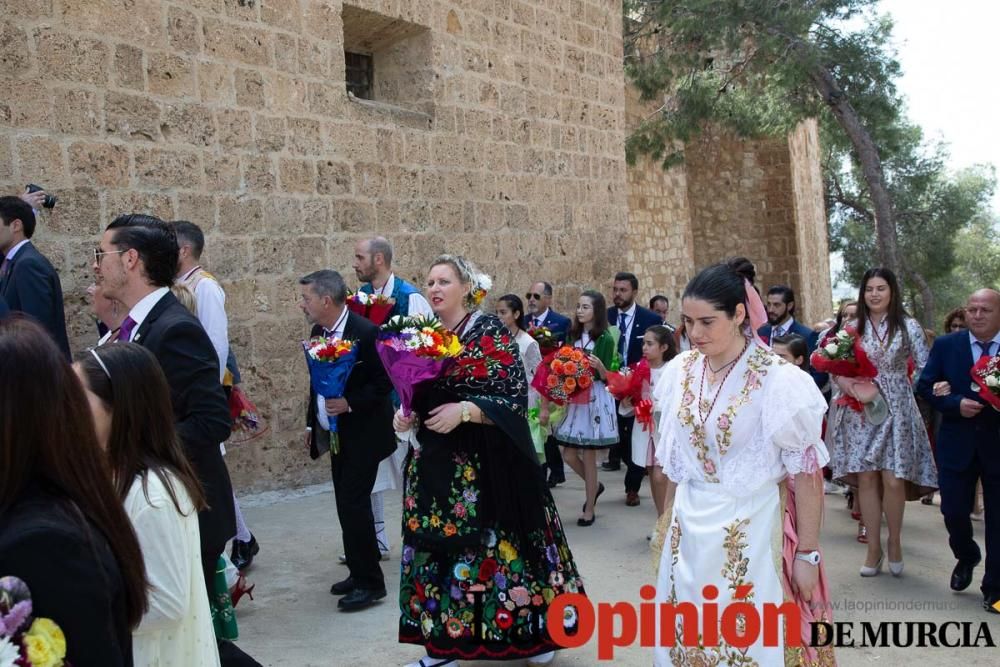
793 420
666 439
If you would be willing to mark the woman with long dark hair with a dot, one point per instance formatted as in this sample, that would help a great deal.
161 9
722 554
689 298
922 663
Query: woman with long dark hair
63 530
591 426
890 462
483 549
738 424
130 400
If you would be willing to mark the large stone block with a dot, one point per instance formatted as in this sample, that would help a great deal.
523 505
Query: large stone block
73 58
249 88
297 175
131 116
77 111
99 164
240 215
170 75
136 21
269 132
215 83
222 171
129 70
237 42
259 173
182 30
15 58
188 123
41 160
235 129
26 106
162 168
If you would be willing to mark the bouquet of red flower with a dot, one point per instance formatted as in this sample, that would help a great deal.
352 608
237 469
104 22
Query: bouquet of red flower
564 376
330 362
374 307
841 354
27 641
247 423
415 350
629 382
986 374
547 342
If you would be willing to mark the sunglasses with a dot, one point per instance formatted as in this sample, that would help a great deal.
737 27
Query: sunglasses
99 254
536 297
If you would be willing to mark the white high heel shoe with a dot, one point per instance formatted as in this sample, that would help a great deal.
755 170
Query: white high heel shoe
433 662
873 571
895 568
543 659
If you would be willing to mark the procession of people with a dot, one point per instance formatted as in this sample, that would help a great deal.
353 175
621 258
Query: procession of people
469 403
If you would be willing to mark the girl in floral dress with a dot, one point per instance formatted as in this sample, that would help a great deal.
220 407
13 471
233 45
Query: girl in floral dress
483 549
890 462
588 427
736 421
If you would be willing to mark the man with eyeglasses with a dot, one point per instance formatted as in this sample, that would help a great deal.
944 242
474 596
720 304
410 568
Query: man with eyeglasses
540 314
538 302
28 281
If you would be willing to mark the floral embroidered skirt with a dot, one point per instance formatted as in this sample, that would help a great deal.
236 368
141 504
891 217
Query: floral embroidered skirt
487 602
717 539
590 425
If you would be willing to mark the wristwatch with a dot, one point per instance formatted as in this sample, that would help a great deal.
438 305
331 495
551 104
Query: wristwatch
466 415
811 557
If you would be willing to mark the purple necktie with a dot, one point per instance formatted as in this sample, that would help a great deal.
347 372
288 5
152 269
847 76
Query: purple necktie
125 330
3 267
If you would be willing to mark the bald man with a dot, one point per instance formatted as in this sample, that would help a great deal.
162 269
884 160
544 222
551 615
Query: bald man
373 267
968 444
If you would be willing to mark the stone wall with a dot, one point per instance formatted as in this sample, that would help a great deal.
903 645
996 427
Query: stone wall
234 114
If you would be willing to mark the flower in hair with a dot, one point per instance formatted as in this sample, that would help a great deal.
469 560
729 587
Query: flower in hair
481 285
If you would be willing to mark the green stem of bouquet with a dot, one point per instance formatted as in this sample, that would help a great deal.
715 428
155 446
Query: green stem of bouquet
334 443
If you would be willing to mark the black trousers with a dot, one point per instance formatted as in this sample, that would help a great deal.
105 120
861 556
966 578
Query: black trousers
353 479
554 461
958 491
633 473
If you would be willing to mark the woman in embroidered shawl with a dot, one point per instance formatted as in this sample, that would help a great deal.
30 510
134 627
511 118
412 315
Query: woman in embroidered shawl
736 421
483 549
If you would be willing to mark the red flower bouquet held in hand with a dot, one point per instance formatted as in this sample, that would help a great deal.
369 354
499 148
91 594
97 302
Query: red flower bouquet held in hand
565 376
415 350
373 307
629 382
547 342
986 374
842 354
330 362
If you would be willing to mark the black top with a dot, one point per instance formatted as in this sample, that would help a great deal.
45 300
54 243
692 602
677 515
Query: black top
72 574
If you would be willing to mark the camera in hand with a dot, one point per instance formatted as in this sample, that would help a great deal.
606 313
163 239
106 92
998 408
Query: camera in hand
50 200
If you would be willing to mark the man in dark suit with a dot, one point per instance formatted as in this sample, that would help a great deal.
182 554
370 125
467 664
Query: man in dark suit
632 321
135 264
540 314
968 443
4 310
364 424
538 303
28 281
781 317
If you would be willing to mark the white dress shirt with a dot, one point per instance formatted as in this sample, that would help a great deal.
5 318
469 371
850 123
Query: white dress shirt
626 333
15 248
210 307
141 310
417 304
992 349
539 319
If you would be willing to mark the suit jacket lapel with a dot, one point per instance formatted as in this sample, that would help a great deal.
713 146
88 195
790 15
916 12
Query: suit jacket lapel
165 302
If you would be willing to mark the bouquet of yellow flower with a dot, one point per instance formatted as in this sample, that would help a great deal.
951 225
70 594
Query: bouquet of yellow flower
27 641
415 350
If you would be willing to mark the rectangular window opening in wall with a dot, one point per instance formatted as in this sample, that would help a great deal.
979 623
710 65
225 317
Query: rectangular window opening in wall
387 61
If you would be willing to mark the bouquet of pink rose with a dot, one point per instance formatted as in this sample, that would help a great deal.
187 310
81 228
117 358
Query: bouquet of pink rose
986 374
27 641
415 350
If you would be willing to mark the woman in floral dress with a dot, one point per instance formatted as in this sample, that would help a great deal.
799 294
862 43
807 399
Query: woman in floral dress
890 462
736 421
483 549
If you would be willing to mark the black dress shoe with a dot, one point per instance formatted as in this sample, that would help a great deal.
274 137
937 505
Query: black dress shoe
991 602
243 552
554 481
360 598
344 587
600 490
586 522
611 467
961 576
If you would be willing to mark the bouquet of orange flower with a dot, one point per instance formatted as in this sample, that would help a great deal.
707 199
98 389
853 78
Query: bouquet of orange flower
564 376
415 350
374 307
330 362
27 641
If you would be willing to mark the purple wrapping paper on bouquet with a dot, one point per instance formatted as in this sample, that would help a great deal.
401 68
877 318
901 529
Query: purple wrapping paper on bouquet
407 371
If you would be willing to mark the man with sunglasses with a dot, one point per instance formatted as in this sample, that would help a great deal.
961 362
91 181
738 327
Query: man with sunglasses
540 314
28 281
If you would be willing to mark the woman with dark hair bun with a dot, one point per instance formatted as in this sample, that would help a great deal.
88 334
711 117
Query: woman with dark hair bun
130 401
737 424
890 459
63 530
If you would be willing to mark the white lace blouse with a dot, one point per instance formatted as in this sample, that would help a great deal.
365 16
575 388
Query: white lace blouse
765 424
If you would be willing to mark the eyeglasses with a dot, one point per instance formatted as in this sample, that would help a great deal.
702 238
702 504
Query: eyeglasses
99 254
536 297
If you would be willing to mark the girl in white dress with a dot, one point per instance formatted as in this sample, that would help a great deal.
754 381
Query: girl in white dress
658 348
130 400
736 421
510 310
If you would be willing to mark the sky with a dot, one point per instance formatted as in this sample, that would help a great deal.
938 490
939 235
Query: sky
948 54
